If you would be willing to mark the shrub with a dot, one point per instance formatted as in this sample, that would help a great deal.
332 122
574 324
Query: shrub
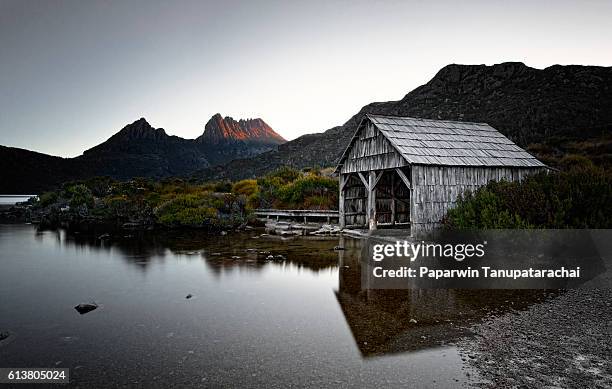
245 187
80 195
578 198
295 193
48 198
203 209
285 174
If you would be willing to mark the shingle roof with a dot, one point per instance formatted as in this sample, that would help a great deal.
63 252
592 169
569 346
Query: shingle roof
443 142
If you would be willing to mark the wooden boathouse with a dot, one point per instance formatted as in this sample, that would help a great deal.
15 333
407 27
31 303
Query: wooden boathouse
402 171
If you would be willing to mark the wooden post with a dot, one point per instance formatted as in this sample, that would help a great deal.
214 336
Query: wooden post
392 198
341 211
372 200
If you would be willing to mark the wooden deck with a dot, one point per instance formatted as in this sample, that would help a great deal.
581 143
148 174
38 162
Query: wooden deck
297 214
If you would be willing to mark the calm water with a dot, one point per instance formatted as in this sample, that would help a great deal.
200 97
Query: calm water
13 199
303 321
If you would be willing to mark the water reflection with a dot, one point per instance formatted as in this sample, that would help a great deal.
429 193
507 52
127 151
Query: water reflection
381 321
250 249
404 320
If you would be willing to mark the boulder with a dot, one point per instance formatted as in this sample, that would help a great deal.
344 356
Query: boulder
85 308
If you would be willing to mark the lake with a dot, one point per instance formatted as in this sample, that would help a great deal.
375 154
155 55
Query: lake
300 320
6 200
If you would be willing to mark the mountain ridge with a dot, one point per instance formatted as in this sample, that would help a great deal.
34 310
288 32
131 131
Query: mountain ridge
526 104
137 150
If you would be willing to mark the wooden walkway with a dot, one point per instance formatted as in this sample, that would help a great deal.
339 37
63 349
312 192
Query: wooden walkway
297 214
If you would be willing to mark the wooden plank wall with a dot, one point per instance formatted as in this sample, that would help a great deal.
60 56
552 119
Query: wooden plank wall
371 151
355 202
436 189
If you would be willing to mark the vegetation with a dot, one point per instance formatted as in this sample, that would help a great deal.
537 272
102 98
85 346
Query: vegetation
287 188
580 197
561 152
179 203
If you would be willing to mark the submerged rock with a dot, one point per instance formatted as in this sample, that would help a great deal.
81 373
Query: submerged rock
4 335
189 296
84 308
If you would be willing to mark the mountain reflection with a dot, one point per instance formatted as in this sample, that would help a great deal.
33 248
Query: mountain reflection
381 321
252 249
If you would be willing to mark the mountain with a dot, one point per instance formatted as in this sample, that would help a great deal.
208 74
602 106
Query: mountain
138 150
528 105
225 139
28 172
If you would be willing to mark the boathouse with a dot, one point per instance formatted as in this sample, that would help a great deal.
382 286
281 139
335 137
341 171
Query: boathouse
402 171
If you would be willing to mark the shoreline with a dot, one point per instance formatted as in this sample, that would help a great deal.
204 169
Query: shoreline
562 342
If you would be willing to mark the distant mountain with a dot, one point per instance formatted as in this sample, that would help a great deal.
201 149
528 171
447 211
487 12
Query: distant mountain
225 139
138 150
28 172
528 105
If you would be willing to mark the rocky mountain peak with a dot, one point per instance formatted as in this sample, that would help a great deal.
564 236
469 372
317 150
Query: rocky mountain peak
222 130
140 129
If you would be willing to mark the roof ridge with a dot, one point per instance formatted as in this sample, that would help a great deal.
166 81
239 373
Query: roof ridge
424 119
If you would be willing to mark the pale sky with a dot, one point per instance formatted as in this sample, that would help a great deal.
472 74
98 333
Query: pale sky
72 73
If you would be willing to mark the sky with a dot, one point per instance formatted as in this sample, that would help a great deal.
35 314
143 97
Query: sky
72 73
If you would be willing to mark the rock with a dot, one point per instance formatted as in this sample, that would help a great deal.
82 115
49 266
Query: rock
189 296
288 232
327 229
104 236
223 233
4 335
339 248
413 321
85 308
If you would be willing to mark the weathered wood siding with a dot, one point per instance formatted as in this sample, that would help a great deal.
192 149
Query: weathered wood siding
437 188
355 202
371 151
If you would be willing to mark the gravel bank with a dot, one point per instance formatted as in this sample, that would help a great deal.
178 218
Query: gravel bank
563 343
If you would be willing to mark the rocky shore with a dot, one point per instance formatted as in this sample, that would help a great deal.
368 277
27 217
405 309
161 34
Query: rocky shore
565 342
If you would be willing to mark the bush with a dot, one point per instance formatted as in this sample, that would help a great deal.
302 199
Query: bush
321 190
285 174
578 198
80 195
245 187
48 198
203 209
